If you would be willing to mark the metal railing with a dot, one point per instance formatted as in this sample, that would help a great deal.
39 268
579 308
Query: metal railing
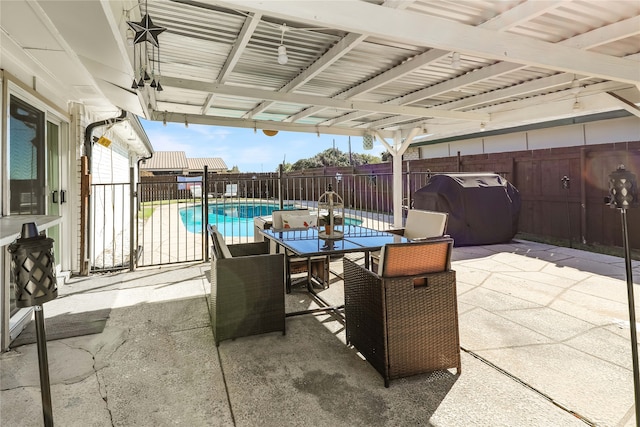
170 222
111 224
171 213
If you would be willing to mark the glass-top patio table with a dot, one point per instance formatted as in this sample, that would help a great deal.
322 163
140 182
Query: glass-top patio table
312 242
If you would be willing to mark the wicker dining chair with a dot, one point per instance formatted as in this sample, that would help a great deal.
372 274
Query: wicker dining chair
316 267
247 289
404 321
419 225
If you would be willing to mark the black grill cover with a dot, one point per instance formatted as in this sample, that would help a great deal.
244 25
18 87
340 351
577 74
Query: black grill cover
483 208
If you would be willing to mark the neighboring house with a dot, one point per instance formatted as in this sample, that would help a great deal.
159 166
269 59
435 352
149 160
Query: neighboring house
177 163
214 165
166 163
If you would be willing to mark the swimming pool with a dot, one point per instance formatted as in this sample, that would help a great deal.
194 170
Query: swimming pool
234 219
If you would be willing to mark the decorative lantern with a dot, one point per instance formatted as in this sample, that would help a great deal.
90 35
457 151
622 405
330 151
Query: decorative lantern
331 202
33 269
623 189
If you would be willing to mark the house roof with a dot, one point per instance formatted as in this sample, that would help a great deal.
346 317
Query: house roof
394 68
213 163
167 161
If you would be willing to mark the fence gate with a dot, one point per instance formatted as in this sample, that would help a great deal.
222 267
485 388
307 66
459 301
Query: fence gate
169 219
110 225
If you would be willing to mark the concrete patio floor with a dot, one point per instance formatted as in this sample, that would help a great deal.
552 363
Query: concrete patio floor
544 332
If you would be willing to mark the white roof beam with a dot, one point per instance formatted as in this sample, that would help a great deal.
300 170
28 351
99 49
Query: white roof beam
248 28
586 41
337 51
259 124
320 101
521 12
625 103
405 27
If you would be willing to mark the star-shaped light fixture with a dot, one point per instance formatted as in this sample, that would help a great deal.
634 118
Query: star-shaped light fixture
146 52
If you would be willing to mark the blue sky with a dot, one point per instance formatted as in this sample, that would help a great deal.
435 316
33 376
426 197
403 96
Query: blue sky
251 152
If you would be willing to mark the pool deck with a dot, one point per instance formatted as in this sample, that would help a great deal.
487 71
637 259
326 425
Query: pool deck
544 333
165 239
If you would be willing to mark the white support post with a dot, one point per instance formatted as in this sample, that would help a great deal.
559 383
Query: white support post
398 149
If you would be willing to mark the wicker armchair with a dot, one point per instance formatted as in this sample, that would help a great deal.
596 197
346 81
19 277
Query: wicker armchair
247 289
405 320
419 225
314 267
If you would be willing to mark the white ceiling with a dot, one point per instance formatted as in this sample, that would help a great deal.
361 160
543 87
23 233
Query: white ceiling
354 66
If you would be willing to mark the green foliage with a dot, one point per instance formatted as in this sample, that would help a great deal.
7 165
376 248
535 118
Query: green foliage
332 157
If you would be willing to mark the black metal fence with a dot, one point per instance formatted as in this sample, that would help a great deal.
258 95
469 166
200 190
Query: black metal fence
171 213
110 225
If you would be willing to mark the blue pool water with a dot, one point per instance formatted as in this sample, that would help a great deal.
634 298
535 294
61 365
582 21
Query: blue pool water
232 219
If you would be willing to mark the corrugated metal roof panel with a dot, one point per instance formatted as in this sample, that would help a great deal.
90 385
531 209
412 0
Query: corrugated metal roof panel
214 164
166 161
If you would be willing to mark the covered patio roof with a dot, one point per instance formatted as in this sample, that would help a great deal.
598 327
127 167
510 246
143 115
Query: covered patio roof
385 68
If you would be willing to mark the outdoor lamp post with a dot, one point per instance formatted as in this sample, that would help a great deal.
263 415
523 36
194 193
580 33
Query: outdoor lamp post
34 274
623 192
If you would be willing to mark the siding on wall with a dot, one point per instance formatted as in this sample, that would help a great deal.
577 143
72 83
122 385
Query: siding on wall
563 136
434 151
501 143
600 132
466 147
624 129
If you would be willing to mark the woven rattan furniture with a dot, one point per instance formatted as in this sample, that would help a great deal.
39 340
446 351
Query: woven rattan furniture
420 224
247 289
314 267
405 320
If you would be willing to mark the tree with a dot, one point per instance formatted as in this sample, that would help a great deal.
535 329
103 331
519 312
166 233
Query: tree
334 157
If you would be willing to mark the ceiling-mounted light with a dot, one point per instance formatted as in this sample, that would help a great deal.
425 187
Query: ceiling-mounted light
164 119
270 132
282 55
186 123
282 50
455 60
576 105
483 127
575 86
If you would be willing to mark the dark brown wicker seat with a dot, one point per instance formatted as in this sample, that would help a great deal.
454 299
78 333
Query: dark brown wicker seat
247 289
405 321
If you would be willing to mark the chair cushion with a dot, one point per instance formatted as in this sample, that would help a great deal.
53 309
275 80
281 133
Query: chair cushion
276 216
423 224
298 221
410 259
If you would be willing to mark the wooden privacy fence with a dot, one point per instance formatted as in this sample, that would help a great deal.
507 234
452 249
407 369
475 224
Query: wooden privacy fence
575 211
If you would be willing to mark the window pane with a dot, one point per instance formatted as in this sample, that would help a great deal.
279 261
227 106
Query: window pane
26 159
